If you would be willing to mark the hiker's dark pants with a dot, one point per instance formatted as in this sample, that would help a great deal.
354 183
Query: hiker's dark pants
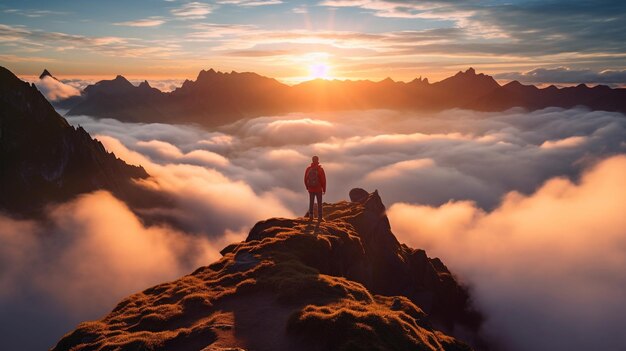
312 197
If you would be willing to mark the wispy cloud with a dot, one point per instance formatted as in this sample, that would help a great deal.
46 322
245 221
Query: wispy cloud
34 13
405 9
249 36
192 10
261 53
302 9
16 58
147 22
553 26
108 45
211 31
249 3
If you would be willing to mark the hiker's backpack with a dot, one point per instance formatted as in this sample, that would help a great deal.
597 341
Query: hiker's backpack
312 178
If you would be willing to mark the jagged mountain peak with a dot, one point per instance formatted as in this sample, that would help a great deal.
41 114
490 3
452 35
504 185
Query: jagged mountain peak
470 75
118 81
420 80
119 86
47 73
144 85
470 72
202 75
472 85
206 75
120 78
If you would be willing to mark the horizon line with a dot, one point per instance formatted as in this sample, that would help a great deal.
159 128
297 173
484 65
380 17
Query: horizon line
299 80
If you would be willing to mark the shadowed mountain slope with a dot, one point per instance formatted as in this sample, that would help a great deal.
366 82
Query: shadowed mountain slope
217 98
345 284
43 158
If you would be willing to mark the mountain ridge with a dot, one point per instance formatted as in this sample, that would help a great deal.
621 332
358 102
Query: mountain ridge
218 98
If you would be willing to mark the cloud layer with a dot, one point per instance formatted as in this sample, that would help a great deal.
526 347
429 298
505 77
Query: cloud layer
221 182
489 164
90 253
422 158
547 268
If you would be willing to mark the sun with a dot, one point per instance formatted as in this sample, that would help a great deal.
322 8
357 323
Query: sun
319 71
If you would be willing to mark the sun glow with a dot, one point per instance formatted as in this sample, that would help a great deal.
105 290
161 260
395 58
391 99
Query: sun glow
319 70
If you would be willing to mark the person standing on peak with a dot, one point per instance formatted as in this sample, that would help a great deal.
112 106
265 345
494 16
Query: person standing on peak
315 182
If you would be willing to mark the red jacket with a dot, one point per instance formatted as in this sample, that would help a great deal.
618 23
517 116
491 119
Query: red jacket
321 187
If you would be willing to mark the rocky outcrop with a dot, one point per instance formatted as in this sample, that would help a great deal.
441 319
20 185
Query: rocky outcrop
383 265
358 195
345 283
44 159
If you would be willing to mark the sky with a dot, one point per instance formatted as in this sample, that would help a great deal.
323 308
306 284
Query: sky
555 41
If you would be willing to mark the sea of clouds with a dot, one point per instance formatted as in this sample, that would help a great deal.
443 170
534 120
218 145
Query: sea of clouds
526 207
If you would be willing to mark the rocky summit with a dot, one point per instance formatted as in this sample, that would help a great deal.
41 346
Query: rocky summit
345 283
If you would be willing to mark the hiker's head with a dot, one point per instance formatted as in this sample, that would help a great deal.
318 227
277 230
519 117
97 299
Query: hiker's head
316 159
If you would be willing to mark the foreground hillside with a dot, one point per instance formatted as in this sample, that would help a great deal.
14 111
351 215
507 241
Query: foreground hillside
343 284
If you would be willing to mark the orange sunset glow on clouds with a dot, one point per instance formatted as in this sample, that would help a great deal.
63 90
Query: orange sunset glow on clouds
538 42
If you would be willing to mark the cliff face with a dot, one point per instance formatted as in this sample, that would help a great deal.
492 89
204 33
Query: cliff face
43 158
345 283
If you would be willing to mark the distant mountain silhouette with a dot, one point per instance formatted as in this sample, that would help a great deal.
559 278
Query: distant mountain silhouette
217 98
118 98
44 159
515 94
345 284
